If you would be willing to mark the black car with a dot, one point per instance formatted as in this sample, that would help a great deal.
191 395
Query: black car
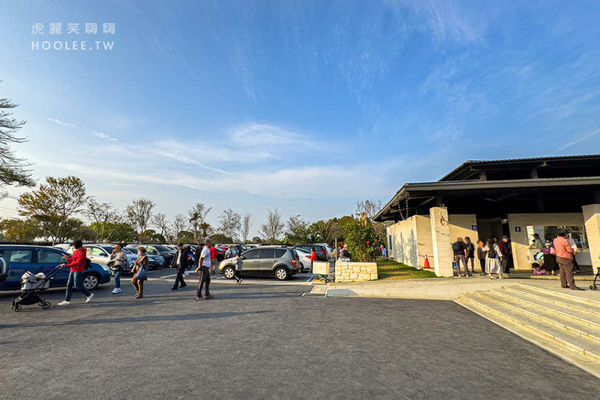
319 249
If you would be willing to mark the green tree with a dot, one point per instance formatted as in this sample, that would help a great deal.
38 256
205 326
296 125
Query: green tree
20 230
12 168
103 217
53 203
119 232
297 231
197 219
220 238
362 240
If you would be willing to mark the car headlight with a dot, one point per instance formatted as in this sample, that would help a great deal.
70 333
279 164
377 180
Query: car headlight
105 267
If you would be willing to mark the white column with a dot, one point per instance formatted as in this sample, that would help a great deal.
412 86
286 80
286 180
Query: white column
440 235
591 217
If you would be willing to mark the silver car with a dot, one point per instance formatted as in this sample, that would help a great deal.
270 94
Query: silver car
282 262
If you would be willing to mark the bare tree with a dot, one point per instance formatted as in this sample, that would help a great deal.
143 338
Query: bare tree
139 213
370 208
230 223
161 222
197 219
245 227
103 216
180 224
273 227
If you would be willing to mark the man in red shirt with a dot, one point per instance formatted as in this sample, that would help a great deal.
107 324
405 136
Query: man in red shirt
564 258
77 264
214 254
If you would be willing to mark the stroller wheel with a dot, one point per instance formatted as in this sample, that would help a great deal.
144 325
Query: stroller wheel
16 307
45 305
593 287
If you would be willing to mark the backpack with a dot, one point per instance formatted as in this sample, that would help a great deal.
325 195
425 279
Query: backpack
492 252
458 247
88 263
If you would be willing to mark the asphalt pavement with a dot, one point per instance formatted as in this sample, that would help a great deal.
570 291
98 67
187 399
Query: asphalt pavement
269 342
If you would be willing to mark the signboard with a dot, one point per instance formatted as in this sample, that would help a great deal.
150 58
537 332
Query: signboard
517 229
474 227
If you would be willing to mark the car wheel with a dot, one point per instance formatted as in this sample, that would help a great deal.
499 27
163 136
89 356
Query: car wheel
281 273
90 281
228 272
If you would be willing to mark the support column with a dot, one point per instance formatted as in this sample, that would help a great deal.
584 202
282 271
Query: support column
591 217
440 235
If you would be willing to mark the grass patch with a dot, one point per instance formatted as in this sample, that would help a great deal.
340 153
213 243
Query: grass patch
393 270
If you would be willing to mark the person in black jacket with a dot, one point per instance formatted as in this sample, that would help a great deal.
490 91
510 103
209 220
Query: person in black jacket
180 262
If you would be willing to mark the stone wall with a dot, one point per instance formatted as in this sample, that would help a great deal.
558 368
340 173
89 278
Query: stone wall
355 271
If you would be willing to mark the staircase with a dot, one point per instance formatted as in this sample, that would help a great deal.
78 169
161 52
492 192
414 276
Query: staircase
558 321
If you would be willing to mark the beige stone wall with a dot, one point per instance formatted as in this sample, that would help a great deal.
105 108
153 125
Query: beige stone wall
591 216
440 234
461 225
522 255
355 271
411 241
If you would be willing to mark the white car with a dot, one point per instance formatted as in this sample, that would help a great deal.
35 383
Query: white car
304 257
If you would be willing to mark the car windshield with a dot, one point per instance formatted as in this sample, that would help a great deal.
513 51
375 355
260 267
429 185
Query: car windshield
107 248
161 248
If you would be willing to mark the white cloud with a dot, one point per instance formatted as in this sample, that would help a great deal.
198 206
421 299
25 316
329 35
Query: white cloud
105 136
59 122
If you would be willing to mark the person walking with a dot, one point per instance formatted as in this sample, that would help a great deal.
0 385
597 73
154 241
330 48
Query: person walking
313 258
238 269
492 259
214 256
470 254
118 262
564 258
180 262
481 255
506 254
204 266
140 272
77 263
460 255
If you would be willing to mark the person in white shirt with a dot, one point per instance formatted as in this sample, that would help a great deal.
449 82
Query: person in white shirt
203 269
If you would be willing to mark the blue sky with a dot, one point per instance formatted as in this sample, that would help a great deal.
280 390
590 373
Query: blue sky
304 106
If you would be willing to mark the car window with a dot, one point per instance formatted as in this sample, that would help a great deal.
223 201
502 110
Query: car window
51 257
251 254
279 253
96 251
266 253
24 256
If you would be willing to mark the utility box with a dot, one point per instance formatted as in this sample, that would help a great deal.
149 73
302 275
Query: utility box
321 268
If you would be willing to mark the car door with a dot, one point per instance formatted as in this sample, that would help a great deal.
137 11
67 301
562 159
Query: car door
98 255
20 261
266 257
47 260
250 262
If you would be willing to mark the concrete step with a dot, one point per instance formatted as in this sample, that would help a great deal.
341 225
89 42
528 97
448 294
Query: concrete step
566 294
555 301
579 351
575 324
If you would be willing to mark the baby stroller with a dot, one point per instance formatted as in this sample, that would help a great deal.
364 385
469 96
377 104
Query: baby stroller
32 286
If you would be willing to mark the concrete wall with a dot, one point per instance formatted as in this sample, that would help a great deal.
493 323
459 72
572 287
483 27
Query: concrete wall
461 225
591 215
411 241
520 241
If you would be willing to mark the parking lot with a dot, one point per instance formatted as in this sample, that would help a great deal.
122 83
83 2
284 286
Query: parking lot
262 340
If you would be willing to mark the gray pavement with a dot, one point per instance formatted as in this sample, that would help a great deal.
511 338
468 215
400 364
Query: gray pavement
269 341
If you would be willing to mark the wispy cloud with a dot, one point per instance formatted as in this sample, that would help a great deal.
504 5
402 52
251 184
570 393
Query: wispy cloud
62 123
577 140
105 136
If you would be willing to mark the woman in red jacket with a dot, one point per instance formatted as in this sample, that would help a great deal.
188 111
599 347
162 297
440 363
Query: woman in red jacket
77 264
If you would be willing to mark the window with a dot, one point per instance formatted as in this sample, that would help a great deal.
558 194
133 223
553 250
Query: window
251 254
50 257
96 251
23 256
549 233
279 253
266 253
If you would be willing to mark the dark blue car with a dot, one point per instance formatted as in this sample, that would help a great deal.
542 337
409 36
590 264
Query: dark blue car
15 260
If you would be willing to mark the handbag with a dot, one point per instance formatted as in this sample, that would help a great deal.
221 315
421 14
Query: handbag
142 274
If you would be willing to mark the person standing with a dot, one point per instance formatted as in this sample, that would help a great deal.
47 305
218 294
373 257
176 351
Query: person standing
204 266
492 259
506 254
564 258
470 254
214 256
573 244
481 255
77 264
140 272
460 254
238 268
118 262
313 258
180 263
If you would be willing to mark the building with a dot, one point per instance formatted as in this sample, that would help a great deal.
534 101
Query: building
479 199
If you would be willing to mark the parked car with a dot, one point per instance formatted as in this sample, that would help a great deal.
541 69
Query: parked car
304 257
319 249
163 251
100 253
265 261
249 246
35 259
155 261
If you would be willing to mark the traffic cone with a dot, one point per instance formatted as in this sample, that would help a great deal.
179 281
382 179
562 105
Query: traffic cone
427 266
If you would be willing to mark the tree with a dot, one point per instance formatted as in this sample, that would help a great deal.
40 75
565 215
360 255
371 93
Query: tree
297 230
139 213
12 169
370 208
103 217
197 218
362 240
230 223
20 230
75 228
273 227
221 238
117 231
53 203
162 223
257 240
245 227
179 225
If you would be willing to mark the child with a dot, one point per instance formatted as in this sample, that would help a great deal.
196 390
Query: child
238 268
